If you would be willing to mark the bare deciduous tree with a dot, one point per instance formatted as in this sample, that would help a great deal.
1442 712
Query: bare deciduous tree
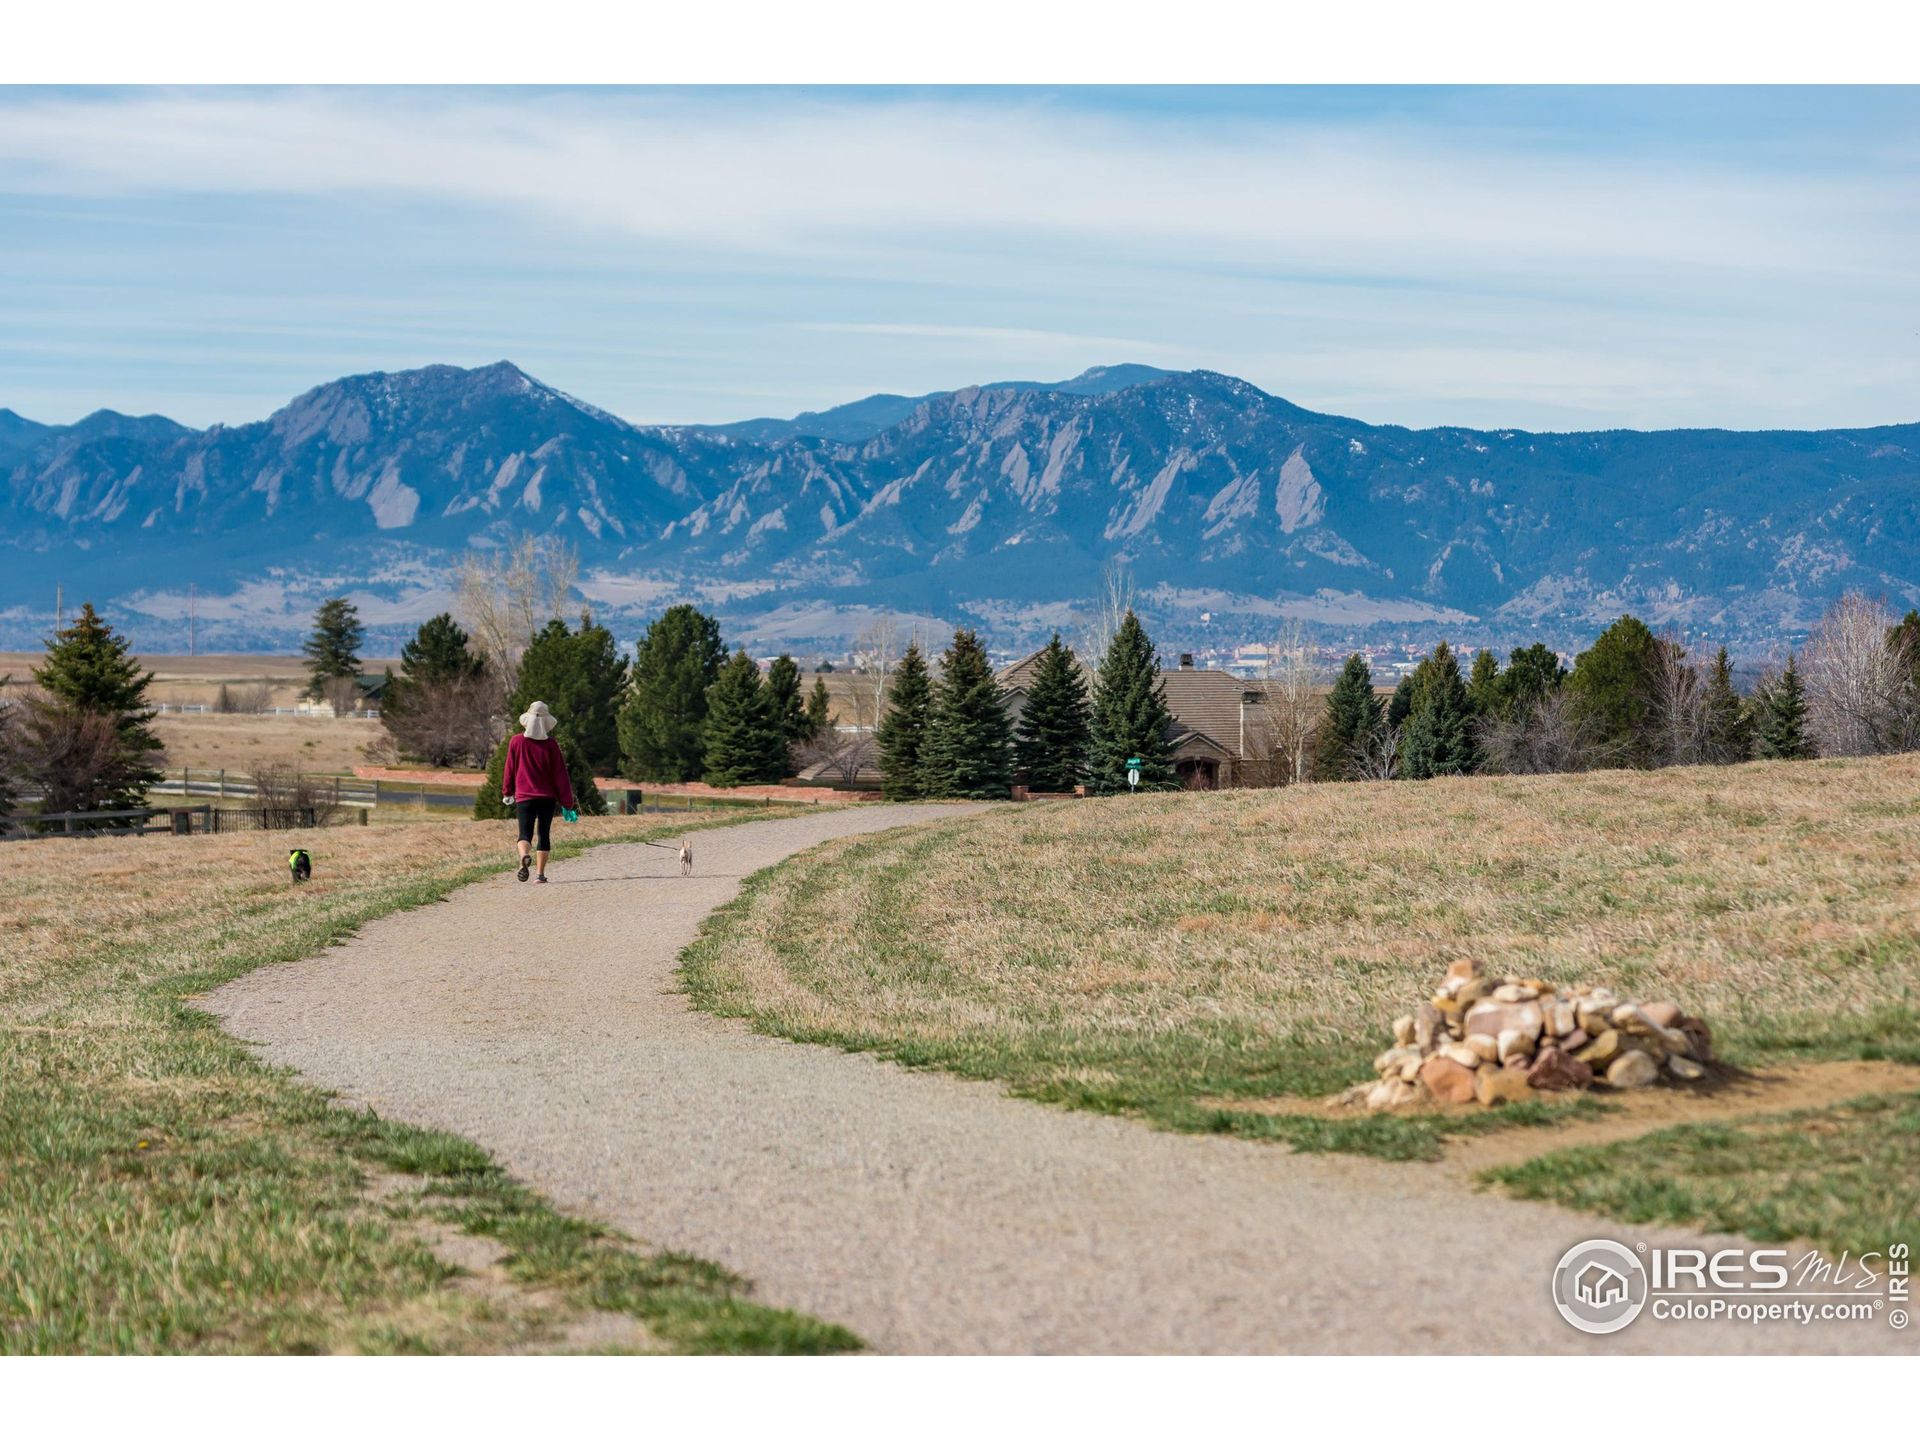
1859 699
507 595
1379 757
451 722
843 754
875 652
1292 704
286 799
1682 732
73 757
242 699
1549 737
1111 603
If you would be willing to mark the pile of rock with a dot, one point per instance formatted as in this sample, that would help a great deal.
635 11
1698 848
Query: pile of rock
1491 1041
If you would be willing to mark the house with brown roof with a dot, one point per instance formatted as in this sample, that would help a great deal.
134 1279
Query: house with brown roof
1219 720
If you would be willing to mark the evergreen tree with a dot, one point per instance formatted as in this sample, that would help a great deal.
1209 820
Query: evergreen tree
1613 687
663 725
902 733
783 699
439 650
1780 718
438 654
1400 704
1729 727
1485 692
819 711
1354 713
1438 739
583 679
586 792
1531 675
333 649
744 744
968 753
89 669
1055 723
1130 716
488 804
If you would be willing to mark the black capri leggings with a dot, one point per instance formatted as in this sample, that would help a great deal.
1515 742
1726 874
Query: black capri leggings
537 811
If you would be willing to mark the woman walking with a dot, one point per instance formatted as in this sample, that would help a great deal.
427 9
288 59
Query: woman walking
536 783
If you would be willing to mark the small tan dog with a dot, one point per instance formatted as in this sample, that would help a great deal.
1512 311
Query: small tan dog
686 857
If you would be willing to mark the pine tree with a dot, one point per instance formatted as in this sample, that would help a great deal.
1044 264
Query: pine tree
488 805
1055 723
902 732
819 711
439 650
1354 713
743 740
783 699
1438 739
1400 704
1485 692
583 679
333 649
1613 688
663 724
1130 716
1729 727
1532 674
1780 719
968 754
89 669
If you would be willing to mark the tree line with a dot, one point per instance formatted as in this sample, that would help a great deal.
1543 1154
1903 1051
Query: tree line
1633 699
949 737
680 709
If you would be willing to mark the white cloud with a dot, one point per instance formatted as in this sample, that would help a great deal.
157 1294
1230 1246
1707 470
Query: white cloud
750 174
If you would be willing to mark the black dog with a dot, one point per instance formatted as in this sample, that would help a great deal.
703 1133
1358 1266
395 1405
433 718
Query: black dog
301 864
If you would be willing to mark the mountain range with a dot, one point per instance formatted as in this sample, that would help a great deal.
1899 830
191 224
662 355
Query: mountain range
995 505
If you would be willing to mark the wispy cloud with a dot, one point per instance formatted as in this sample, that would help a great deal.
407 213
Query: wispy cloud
941 230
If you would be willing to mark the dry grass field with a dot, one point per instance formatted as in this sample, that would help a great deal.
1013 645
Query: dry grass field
162 1191
249 742
1179 956
196 679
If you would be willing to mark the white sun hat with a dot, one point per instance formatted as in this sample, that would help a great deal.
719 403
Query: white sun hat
538 721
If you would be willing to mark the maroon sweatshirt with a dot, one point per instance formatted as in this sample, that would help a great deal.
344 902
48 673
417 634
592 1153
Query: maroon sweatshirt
536 768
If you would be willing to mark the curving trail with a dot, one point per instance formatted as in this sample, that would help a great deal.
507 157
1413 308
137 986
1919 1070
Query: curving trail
929 1214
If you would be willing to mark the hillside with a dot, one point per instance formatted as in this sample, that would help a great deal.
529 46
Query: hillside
994 505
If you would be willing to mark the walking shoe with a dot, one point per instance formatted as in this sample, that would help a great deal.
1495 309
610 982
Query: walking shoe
542 879
526 864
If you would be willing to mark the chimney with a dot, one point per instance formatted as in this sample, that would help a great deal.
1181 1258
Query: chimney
1186 660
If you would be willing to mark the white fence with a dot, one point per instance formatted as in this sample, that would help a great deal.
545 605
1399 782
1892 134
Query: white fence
316 710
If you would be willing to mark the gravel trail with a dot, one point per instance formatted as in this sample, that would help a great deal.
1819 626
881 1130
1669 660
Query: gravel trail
929 1214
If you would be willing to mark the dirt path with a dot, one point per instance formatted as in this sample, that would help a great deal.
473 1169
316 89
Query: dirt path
929 1214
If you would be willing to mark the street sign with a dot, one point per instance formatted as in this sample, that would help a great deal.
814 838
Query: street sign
1133 779
1133 762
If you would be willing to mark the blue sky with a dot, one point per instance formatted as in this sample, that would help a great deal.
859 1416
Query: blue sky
1542 258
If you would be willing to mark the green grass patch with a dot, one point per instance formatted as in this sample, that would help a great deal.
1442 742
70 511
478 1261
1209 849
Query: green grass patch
161 1191
1839 1178
1174 956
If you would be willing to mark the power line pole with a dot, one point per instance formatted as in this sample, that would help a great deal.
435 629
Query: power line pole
59 605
